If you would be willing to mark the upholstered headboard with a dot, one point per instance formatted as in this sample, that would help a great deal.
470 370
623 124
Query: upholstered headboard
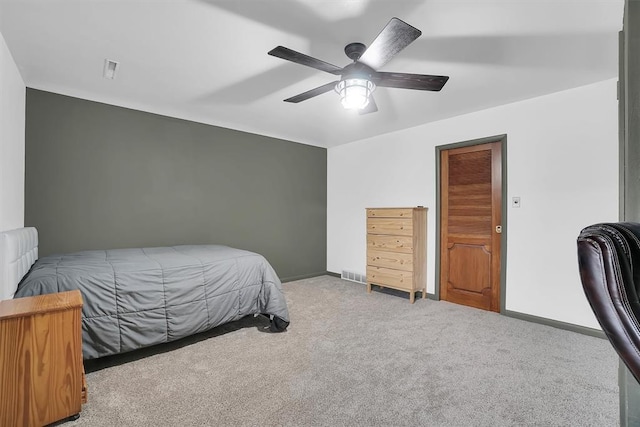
18 252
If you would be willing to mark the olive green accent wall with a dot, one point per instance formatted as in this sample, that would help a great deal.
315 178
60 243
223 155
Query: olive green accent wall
100 176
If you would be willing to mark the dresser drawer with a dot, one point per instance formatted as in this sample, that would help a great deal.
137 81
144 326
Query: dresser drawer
391 278
395 226
402 244
390 213
394 260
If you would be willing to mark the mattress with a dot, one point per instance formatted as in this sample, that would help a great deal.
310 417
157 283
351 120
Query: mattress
139 297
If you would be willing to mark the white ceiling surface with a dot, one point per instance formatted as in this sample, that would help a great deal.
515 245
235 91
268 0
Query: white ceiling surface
206 60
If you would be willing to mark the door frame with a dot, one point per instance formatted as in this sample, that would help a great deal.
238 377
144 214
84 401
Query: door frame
502 139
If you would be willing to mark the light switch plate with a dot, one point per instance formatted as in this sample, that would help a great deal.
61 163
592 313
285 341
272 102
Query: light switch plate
515 202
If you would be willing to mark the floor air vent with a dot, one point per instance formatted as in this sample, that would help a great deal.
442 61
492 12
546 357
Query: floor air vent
354 277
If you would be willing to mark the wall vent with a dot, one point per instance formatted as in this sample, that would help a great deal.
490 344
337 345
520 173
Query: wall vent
352 276
110 68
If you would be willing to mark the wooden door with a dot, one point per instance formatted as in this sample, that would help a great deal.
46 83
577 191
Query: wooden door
470 225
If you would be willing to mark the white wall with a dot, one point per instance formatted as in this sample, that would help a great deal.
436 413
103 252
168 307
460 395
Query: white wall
12 116
562 160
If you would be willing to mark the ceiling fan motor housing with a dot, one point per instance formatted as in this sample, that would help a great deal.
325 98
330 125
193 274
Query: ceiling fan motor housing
354 50
357 70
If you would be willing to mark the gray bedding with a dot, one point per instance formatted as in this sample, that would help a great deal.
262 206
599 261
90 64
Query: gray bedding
135 298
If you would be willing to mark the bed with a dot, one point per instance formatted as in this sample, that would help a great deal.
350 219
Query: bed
135 298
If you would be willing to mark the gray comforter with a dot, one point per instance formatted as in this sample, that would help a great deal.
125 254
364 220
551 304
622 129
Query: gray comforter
134 298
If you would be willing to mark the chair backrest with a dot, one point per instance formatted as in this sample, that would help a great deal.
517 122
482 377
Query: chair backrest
609 259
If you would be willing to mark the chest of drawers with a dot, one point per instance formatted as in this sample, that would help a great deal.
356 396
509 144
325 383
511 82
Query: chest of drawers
397 249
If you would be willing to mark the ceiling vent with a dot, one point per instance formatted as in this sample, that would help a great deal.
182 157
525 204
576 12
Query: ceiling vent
110 68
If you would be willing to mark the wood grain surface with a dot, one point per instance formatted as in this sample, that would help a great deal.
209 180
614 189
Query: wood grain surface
41 372
396 249
470 211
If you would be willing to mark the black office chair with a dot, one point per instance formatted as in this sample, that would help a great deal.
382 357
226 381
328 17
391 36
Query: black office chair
609 259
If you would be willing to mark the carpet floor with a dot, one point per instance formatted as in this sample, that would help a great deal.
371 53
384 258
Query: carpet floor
355 359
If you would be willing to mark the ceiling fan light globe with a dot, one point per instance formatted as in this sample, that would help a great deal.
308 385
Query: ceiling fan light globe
354 93
355 102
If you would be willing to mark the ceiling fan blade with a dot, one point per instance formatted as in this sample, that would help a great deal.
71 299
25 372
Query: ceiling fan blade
409 81
301 58
370 108
394 37
311 93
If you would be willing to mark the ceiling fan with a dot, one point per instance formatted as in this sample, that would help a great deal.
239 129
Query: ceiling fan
359 79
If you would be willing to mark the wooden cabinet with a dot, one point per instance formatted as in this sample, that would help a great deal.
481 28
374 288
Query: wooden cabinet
41 370
397 249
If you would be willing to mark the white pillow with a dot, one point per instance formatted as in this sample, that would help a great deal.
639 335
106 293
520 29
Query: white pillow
18 252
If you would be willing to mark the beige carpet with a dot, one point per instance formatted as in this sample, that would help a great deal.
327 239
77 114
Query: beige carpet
355 359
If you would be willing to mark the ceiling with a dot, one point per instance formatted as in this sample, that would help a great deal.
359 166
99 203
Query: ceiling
206 60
